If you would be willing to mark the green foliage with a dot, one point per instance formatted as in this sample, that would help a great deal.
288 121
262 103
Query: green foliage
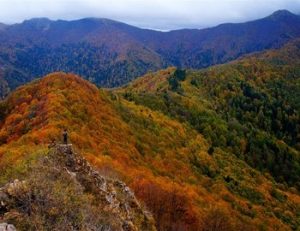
229 130
175 79
278 195
286 217
203 168
244 191
19 169
249 108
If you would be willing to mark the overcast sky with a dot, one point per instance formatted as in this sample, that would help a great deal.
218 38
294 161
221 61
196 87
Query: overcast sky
155 14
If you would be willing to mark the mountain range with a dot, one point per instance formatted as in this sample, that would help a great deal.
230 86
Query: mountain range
211 149
110 53
196 129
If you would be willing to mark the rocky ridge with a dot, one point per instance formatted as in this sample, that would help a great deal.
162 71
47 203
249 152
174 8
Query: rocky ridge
113 196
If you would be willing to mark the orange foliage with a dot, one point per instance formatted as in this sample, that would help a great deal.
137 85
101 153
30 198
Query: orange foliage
172 208
145 144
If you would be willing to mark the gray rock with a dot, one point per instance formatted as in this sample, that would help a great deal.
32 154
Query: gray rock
7 227
11 228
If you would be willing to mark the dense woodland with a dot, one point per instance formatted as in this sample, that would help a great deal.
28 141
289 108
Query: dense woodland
250 108
215 149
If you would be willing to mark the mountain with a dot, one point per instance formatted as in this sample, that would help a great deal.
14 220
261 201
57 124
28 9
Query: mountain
110 53
249 108
2 26
99 49
254 101
202 149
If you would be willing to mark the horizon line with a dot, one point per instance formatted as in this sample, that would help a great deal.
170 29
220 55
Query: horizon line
141 27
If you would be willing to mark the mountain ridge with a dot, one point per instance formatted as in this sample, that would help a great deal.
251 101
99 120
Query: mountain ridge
187 142
277 14
110 53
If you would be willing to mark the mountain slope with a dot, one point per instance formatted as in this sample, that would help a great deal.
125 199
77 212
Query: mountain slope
98 49
250 106
168 163
111 53
36 113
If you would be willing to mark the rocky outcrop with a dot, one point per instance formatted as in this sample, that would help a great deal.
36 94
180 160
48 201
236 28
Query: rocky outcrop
7 227
113 196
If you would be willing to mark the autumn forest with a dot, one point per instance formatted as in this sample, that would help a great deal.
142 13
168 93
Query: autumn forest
207 140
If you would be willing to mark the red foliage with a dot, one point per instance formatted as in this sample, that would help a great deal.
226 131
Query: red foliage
172 209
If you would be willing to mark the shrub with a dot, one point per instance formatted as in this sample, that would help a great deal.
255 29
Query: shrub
53 200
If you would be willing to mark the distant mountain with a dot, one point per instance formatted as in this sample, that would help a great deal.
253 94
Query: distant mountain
202 48
111 53
2 26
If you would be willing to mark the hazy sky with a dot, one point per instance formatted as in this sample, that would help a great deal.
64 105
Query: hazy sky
155 14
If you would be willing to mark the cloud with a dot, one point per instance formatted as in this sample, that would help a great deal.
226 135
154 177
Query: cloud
158 14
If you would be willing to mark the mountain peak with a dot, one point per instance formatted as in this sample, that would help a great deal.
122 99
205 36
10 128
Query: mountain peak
38 23
279 14
38 20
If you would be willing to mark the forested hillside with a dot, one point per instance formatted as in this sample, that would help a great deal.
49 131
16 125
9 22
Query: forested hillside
110 53
249 107
201 149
